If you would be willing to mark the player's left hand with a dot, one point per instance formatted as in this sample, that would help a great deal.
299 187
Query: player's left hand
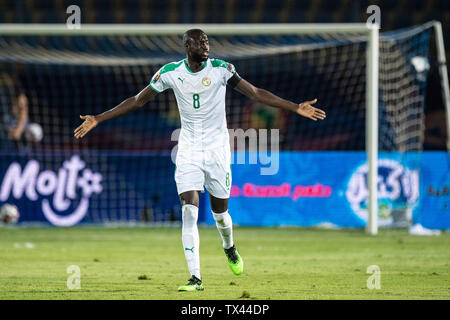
307 110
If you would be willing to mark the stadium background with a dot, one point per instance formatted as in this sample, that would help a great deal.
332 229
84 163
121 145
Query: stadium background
136 149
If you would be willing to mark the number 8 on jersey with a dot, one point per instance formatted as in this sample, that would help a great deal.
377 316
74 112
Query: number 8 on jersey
196 102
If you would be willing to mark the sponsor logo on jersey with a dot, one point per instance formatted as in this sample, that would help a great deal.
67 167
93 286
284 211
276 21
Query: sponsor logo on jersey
398 190
206 81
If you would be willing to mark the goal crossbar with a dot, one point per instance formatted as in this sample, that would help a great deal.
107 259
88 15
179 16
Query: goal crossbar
177 29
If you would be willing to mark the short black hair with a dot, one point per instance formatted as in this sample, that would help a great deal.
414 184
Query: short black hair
191 34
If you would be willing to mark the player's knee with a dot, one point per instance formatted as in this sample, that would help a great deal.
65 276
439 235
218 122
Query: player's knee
219 205
189 198
192 202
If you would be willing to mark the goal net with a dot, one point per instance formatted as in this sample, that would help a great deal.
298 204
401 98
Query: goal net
122 172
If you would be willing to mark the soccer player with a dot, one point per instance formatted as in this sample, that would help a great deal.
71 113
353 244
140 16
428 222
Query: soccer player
203 157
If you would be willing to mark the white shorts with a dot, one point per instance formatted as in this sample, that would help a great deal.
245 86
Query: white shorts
211 169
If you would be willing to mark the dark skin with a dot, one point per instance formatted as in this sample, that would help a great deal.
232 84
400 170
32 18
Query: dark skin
196 46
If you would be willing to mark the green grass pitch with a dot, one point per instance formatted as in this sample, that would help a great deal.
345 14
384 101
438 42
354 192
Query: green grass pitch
280 263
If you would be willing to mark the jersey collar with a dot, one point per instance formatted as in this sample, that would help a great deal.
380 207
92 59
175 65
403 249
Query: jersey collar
187 67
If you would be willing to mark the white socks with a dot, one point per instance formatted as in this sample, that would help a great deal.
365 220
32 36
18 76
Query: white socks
190 238
225 226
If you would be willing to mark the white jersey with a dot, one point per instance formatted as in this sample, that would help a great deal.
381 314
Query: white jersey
201 101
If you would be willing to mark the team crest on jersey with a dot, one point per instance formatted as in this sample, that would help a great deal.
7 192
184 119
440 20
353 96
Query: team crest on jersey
206 81
156 78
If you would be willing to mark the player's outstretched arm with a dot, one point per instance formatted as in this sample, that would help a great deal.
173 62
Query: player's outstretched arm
304 109
126 106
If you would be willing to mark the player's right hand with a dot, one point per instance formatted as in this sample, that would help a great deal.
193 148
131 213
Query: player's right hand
90 122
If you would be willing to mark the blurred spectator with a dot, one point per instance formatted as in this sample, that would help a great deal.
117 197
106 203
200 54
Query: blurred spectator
19 117
21 132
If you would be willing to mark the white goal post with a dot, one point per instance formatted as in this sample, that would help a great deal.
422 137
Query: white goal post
370 32
444 74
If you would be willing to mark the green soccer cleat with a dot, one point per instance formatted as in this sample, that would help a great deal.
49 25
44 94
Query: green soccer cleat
234 260
194 284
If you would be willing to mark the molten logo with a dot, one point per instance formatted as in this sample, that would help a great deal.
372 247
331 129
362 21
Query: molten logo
61 185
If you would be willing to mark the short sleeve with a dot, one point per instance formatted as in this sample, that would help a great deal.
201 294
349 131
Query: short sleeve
159 82
232 78
229 71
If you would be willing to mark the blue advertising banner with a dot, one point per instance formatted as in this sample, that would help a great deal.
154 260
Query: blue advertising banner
301 189
67 189
330 189
434 211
